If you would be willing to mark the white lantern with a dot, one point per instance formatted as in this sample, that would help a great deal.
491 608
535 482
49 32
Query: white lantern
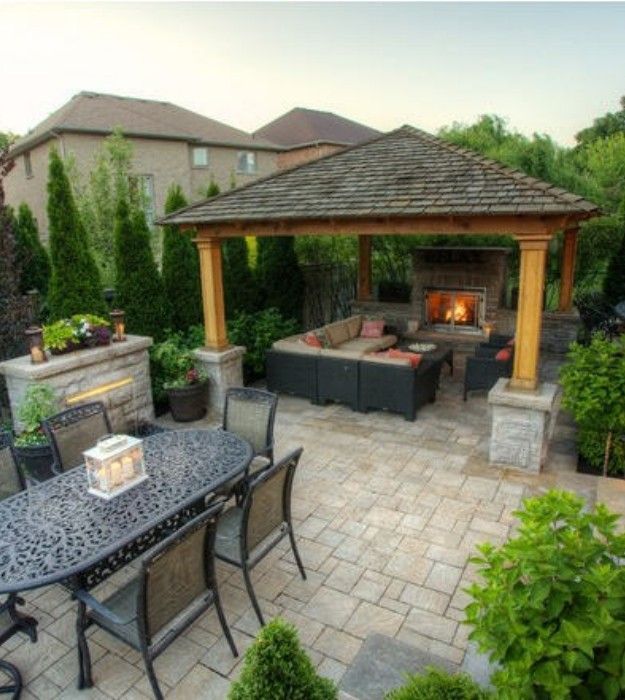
115 465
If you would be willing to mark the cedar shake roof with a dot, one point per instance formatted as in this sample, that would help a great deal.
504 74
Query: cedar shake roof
301 127
95 113
405 173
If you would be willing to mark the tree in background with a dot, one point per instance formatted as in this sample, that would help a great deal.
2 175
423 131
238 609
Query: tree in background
212 189
32 257
279 276
181 270
7 139
137 281
604 127
75 281
14 314
614 282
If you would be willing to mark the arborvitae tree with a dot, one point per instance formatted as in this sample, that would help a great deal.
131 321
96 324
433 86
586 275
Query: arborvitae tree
31 255
181 270
240 288
14 314
138 284
280 276
212 189
614 281
75 282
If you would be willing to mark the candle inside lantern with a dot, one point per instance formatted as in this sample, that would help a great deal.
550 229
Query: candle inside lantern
128 467
119 327
35 342
116 473
488 329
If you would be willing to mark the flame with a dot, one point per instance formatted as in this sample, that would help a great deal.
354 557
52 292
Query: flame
460 312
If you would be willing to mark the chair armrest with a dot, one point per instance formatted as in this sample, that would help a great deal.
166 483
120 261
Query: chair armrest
100 608
485 350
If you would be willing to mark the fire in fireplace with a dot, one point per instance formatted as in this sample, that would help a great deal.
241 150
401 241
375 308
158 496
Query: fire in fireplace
455 309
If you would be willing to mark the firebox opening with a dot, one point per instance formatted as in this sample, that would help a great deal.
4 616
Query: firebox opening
455 309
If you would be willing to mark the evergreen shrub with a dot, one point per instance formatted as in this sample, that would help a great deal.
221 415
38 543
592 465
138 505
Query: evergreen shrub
32 257
279 276
435 684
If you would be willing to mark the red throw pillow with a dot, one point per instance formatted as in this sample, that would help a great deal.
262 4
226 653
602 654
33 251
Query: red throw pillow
372 329
413 357
312 340
504 355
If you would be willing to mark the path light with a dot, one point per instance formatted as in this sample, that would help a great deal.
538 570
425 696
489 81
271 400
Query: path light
119 327
35 344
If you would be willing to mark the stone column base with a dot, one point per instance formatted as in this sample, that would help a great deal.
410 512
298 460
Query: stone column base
522 424
224 369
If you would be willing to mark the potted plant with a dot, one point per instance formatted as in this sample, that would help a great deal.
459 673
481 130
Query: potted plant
593 382
79 331
33 451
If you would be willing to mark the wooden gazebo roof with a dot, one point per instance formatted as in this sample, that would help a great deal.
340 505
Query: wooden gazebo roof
405 174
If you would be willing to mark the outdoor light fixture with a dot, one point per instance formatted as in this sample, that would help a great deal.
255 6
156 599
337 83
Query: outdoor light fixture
114 465
35 345
119 327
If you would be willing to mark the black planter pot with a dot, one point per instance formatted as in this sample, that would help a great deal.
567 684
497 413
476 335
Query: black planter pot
188 403
35 461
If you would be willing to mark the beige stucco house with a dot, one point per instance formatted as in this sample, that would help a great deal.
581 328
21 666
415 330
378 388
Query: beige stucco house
170 144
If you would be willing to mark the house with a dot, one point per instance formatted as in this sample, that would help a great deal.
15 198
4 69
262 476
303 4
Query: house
170 144
308 134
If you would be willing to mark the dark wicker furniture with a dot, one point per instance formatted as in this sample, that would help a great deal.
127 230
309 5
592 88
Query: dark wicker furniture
246 534
337 380
59 532
293 373
483 370
73 431
175 586
398 388
11 620
497 340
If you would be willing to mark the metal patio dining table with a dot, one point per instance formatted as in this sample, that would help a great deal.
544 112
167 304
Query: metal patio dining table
57 532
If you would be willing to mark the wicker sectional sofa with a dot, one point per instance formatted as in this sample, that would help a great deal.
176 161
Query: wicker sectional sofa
349 372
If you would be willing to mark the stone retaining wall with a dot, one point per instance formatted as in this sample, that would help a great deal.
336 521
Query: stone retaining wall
97 370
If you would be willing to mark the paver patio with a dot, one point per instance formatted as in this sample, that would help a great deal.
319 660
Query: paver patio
386 513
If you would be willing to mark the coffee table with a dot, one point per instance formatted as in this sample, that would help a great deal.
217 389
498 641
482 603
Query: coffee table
443 352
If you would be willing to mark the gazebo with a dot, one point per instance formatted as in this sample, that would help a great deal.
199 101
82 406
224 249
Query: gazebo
401 183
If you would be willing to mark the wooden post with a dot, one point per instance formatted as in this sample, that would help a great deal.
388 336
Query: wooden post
364 268
529 314
567 270
215 335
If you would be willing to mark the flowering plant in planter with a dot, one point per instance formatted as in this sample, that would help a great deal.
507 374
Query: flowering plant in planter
79 331
190 377
184 384
33 451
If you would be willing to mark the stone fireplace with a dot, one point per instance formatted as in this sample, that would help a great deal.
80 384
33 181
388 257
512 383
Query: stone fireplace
458 290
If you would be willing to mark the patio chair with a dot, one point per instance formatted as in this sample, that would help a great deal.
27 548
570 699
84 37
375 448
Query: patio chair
73 431
250 414
11 621
175 586
247 533
483 370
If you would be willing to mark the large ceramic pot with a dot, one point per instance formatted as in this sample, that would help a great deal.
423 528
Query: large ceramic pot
35 461
189 402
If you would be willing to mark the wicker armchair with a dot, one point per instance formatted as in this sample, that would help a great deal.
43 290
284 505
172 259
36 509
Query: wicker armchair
250 414
12 621
483 370
73 431
176 585
246 534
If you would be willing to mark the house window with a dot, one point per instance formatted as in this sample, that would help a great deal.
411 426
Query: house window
28 168
200 157
246 162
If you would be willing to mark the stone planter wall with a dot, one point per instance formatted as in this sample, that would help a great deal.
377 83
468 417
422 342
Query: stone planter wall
94 370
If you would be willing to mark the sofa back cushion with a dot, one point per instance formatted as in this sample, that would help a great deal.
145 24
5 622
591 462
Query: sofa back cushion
354 324
372 329
337 333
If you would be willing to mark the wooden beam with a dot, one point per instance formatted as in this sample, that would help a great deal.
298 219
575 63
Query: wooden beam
364 268
520 226
529 313
215 335
567 270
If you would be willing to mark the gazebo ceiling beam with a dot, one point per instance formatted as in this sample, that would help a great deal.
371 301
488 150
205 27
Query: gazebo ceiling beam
520 226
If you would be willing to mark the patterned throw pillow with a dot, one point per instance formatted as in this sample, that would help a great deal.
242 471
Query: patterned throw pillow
504 355
372 329
312 340
413 357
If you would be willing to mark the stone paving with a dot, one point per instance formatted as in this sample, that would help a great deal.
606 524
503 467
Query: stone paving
386 512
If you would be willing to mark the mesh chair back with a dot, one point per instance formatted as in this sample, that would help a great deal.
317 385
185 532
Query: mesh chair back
75 430
178 572
250 414
268 501
10 477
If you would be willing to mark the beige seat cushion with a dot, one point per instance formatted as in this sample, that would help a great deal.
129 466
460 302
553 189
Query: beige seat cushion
383 360
369 344
294 343
342 353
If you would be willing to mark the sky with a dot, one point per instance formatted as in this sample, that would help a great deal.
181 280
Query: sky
546 67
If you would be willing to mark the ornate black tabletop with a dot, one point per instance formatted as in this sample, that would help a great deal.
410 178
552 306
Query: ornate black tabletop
57 530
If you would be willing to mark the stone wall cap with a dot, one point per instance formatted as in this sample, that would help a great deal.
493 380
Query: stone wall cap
59 364
219 356
543 399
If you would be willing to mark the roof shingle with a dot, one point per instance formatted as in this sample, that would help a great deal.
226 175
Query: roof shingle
406 172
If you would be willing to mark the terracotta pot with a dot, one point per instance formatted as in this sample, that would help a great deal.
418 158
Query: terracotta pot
35 461
189 402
